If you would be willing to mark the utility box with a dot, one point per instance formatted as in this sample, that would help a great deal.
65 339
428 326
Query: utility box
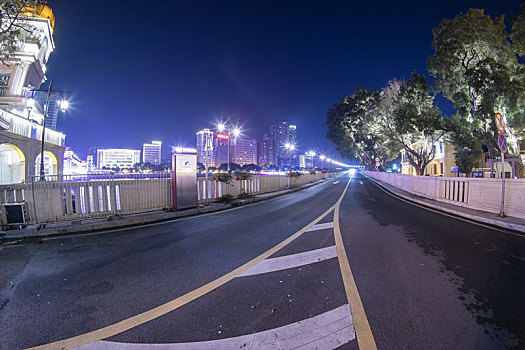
184 178
14 214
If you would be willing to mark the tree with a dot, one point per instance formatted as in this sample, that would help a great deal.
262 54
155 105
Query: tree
233 167
11 28
251 167
518 32
409 117
353 129
476 68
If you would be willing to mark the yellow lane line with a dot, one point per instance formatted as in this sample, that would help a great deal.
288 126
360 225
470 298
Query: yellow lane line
365 339
134 321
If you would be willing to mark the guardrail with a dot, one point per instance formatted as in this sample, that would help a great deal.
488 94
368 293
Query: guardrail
475 193
86 197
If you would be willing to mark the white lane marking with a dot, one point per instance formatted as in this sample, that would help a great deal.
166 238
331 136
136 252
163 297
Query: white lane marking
321 226
336 182
360 182
328 330
291 261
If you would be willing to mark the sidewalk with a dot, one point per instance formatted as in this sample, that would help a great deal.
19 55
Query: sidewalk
98 224
509 223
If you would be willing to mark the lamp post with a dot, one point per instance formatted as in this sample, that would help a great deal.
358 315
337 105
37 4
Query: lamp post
64 105
290 147
322 157
312 155
236 132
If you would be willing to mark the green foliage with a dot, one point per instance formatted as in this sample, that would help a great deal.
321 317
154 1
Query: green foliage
518 32
296 174
223 177
476 68
352 128
243 175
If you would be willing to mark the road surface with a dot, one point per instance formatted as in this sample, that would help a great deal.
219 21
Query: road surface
341 265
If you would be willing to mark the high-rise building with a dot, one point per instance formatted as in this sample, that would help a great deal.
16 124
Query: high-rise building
244 151
117 158
54 106
220 149
292 137
279 137
302 161
201 146
263 151
93 153
151 152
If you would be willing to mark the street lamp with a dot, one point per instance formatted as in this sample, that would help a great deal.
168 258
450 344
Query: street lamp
322 157
64 104
290 147
226 126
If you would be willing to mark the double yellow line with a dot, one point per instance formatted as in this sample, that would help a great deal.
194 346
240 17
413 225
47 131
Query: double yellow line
364 334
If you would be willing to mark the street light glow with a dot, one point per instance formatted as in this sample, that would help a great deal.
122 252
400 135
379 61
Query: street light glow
220 127
323 157
236 132
64 105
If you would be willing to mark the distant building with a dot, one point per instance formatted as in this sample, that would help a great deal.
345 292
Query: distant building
201 146
117 158
92 151
244 151
263 151
302 161
441 165
292 137
220 149
279 137
151 152
54 106
73 165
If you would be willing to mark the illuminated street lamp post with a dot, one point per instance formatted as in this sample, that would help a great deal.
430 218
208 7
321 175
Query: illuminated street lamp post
322 157
64 105
236 132
290 147
312 155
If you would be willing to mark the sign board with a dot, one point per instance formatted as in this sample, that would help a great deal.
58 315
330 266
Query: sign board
377 159
454 169
184 180
500 123
477 174
502 143
378 164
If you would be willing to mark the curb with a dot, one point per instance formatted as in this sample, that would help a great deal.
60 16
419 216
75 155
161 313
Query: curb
130 221
492 222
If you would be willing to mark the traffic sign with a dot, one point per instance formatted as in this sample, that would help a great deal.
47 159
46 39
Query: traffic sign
378 164
377 159
454 169
500 123
502 143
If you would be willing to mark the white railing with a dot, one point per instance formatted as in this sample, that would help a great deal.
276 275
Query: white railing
95 196
475 193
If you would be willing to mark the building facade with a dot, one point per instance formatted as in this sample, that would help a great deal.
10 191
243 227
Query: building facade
263 151
201 146
244 151
21 127
117 158
151 152
441 165
279 137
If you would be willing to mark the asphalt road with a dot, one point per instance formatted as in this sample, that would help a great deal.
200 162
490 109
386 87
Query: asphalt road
425 281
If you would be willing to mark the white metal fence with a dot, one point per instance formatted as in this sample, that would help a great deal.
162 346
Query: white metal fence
475 193
83 197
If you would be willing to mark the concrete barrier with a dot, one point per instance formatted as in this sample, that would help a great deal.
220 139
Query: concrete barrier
474 193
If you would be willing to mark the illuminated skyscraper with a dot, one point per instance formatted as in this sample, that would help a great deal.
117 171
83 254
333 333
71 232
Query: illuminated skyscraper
201 146
151 152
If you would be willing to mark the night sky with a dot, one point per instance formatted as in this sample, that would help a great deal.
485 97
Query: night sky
162 70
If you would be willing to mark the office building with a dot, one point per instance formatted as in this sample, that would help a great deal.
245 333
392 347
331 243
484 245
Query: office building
54 106
244 151
263 151
117 158
201 146
220 149
151 152
279 137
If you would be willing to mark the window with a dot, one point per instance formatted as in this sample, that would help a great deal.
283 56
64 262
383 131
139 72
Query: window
441 168
434 166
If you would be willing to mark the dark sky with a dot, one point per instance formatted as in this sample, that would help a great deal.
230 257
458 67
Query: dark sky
161 70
